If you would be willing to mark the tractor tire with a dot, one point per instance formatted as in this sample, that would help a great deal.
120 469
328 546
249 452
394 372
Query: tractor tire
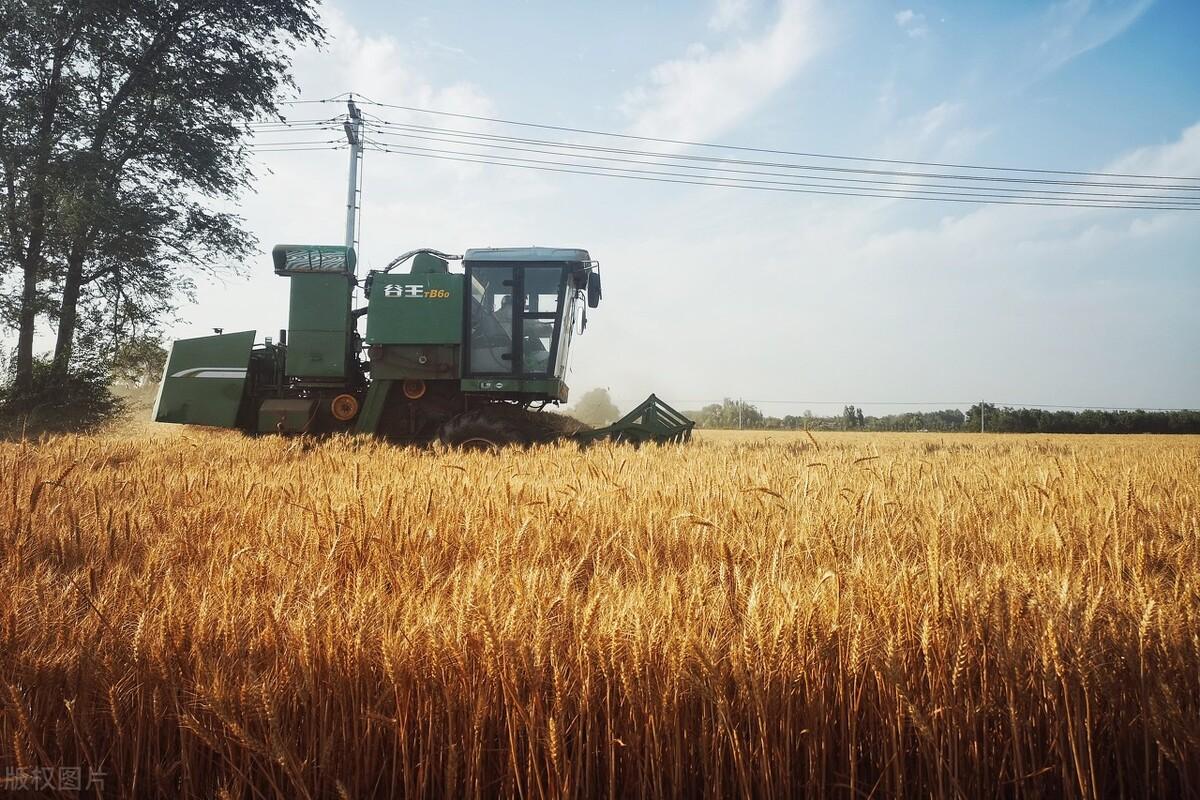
482 429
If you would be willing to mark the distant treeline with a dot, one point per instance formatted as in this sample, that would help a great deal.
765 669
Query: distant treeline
738 414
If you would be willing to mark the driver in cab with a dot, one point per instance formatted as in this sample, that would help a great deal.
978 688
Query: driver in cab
535 332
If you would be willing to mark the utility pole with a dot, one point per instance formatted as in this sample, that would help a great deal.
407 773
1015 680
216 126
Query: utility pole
741 405
354 131
981 412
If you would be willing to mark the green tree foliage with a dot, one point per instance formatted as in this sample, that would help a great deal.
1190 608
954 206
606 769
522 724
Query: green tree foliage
83 400
1037 420
596 408
120 125
987 411
729 414
996 420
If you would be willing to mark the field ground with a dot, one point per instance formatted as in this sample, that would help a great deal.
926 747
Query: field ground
197 614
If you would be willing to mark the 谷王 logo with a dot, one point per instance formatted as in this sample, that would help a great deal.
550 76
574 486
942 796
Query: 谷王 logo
414 290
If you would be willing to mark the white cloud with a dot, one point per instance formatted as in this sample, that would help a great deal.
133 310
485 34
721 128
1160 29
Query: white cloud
857 300
779 295
985 231
836 298
729 14
1073 27
938 133
708 91
936 118
378 66
1177 158
912 23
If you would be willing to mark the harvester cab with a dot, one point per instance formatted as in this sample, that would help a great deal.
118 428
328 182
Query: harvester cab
462 357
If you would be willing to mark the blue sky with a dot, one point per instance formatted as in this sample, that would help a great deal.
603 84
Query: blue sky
713 292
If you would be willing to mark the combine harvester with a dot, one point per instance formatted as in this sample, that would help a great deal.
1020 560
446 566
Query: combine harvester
467 358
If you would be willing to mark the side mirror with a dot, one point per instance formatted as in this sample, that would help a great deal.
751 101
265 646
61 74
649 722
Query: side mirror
593 289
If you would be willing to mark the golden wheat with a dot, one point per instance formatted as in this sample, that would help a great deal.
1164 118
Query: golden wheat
208 615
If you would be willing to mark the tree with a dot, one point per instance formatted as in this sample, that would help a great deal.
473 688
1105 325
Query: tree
990 417
596 408
38 43
121 123
729 414
139 361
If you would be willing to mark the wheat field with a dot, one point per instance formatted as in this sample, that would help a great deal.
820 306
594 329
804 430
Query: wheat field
207 615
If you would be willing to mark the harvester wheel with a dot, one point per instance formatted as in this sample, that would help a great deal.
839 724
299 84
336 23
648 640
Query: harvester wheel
413 388
479 430
344 407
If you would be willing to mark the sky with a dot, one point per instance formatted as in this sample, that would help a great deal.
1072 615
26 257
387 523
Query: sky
818 301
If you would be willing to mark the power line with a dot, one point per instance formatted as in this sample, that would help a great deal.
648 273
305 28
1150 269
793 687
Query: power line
257 150
1002 404
773 164
564 145
741 148
871 402
335 99
943 404
288 122
1003 191
660 177
310 129
331 125
1010 188
275 144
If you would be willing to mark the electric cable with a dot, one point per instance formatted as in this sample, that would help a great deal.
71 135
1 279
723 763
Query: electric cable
293 149
941 403
742 148
336 98
662 177
827 180
275 144
289 122
725 172
787 165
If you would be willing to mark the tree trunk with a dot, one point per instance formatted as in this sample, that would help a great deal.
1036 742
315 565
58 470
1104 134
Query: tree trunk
32 262
31 266
27 316
68 316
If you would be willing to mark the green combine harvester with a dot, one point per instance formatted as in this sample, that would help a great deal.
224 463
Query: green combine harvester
467 358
